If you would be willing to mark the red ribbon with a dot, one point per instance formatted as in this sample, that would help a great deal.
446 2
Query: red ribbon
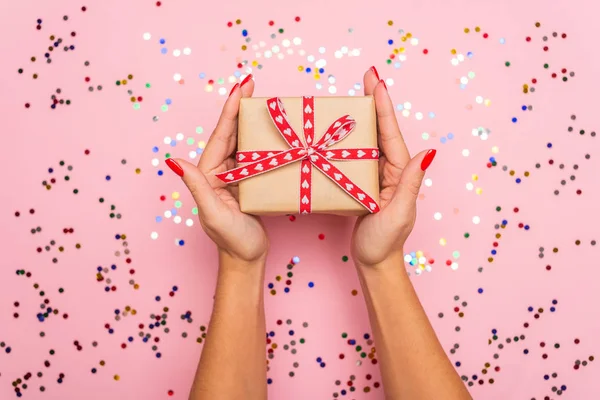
310 153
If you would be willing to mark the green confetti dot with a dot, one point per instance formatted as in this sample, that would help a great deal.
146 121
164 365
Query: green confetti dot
388 61
51 352
471 75
467 235
61 290
101 199
112 215
345 258
118 83
136 106
507 63
195 210
565 79
280 30
302 341
190 141
147 85
199 129
546 66
68 102
67 178
363 355
290 274
168 155
344 335
61 163
42 293
75 191
495 337
164 108
455 254
556 346
358 348
112 207
20 70
178 204
498 208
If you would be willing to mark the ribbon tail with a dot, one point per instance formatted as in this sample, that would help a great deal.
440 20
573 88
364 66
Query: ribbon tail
344 183
305 187
260 167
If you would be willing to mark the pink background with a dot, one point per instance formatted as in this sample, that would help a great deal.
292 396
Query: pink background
110 36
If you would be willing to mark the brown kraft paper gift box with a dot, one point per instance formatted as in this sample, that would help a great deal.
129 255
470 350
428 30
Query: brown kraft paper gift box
277 192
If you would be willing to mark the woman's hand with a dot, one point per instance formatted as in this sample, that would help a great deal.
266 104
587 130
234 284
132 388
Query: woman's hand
237 235
381 236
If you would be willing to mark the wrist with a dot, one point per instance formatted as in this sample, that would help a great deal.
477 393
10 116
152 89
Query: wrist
391 261
232 262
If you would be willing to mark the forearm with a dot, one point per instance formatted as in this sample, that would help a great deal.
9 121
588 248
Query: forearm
408 350
232 365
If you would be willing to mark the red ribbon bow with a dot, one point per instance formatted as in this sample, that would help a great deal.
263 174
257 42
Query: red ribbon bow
311 153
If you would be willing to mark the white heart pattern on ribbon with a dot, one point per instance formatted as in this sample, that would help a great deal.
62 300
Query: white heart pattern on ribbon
360 153
274 162
305 200
244 172
287 157
305 184
258 167
337 176
279 119
255 156
241 157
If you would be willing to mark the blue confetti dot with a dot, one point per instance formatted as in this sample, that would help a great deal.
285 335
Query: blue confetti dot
168 101
390 41
117 311
72 47
107 289
181 242
158 355
322 365
502 40
286 290
271 334
397 65
549 145
145 340
99 269
518 180
343 392
8 350
525 351
269 381
175 288
352 342
311 284
514 120
158 218
291 333
552 309
173 143
111 331
554 302
451 136
474 377
443 140
526 227
431 114
524 108
160 173
296 260
530 309
494 252
400 107
470 54
163 50
130 339
480 290
308 70
271 286
39 21
174 211
117 236
157 298
457 363
493 159
321 70
494 331
546 377
162 41
504 222
319 359
244 33
108 177
52 106
366 336
93 370
113 267
155 149
563 387
50 170
202 75
462 86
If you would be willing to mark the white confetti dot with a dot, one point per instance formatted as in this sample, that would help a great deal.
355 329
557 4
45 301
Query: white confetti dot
389 82
461 57
301 52
422 260
192 154
179 136
222 91
479 99
177 77
484 136
154 235
321 63
176 52
454 62
355 52
351 92
464 80
322 50
147 36
332 89
437 216
419 116
286 43
469 186
425 136
407 105
466 152
414 41
405 113
275 49
297 41
268 54
280 56
344 50
428 182
476 220
331 79
310 58
418 271
338 54
407 258
155 162
187 51
319 85
189 222
454 266
428 268
357 86
168 214
167 140
177 219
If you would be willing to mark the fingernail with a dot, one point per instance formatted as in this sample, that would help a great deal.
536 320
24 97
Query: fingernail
384 85
174 166
246 79
375 71
233 89
428 159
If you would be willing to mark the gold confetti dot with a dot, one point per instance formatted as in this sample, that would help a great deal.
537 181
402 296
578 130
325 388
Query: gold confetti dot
477 29
526 173
467 30
244 47
129 76
537 24
354 292
136 287
511 172
453 51
238 21
102 363
138 171
124 82
390 22
117 377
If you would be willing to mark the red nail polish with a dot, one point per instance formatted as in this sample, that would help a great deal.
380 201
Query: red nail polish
428 159
384 85
375 71
246 79
233 89
174 166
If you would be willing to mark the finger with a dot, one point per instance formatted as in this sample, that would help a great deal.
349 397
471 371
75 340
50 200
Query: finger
391 141
411 179
204 195
370 80
222 142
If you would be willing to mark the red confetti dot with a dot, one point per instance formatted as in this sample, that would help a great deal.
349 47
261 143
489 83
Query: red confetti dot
321 236
548 267
17 214
162 198
38 27
140 98
485 35
516 209
544 356
374 361
141 326
84 8
520 225
156 340
158 3
456 309
230 24
27 105
297 19
550 162
448 262
576 341
495 244
578 191
211 81
534 80
342 356
575 366
292 218
240 65
123 345
16 304
271 23
288 282
368 377
170 393
564 71
39 249
31 211
545 48
542 344
87 152
73 34
376 384
425 51
489 165
526 324
554 75
279 322
16 315
114 288
65 316
350 383
128 261
171 294
564 35
528 39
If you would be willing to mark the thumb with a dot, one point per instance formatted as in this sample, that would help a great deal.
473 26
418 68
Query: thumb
411 179
196 182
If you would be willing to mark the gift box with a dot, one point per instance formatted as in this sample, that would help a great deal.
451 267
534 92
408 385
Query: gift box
307 155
